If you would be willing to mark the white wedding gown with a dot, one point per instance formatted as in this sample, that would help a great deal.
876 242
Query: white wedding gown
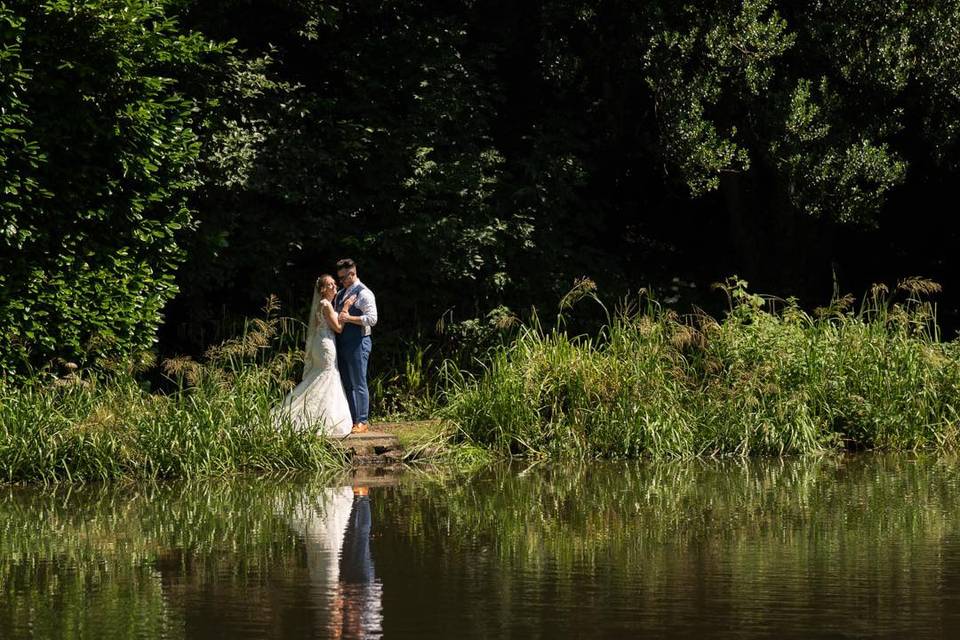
319 401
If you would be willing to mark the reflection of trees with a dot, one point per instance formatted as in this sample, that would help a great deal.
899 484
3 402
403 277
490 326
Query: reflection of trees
667 544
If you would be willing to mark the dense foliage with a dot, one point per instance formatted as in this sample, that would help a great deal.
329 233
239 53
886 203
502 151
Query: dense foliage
468 154
100 151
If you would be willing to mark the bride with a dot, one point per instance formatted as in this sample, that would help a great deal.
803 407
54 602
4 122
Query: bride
319 401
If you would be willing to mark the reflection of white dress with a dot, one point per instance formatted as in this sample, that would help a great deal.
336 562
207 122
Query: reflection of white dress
322 526
344 610
319 401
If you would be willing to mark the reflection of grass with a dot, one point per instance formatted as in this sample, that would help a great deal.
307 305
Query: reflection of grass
667 522
760 382
564 510
94 600
73 559
727 532
137 522
217 422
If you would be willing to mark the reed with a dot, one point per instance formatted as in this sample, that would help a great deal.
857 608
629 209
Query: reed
216 421
767 379
405 390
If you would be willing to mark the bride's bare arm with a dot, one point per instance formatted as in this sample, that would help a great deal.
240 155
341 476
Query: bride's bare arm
331 316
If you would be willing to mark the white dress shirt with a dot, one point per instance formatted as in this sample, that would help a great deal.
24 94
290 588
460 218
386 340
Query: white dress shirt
366 303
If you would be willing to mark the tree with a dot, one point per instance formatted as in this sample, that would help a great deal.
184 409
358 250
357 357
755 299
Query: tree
803 115
99 154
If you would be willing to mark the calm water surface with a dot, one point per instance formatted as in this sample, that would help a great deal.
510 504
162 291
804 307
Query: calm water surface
863 546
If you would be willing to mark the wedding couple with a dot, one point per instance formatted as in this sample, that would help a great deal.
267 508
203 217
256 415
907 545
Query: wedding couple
333 395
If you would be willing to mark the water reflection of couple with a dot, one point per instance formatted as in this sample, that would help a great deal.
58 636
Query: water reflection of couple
336 533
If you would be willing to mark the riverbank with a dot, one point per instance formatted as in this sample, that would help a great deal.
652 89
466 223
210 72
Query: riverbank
214 420
768 379
106 429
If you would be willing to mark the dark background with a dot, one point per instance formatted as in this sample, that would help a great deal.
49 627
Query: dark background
472 154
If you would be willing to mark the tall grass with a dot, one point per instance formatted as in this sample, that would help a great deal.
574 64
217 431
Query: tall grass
405 390
768 379
217 420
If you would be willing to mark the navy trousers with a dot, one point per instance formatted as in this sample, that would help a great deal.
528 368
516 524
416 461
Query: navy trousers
353 354
356 561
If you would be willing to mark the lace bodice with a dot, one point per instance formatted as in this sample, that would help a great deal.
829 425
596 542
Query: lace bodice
322 351
323 329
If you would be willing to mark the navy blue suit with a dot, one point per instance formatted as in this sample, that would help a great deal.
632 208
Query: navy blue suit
353 355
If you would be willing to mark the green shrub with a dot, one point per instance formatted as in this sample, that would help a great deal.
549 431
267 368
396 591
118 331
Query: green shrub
95 169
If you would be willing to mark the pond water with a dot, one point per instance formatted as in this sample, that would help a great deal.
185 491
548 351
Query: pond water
814 547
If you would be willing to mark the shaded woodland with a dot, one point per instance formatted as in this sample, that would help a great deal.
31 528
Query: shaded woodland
167 164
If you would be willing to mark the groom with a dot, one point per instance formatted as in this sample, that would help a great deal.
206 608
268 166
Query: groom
354 343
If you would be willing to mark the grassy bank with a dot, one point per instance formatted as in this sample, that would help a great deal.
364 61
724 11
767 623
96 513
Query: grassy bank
768 379
215 420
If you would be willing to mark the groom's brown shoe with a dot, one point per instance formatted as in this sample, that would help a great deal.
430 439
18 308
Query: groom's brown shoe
360 427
